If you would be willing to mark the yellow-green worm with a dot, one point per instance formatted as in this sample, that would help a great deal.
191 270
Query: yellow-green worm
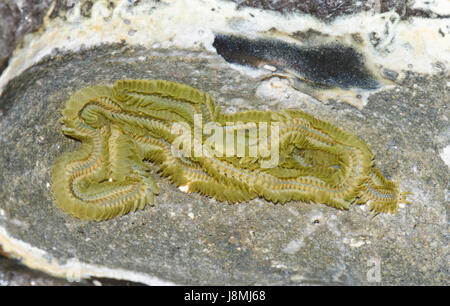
125 128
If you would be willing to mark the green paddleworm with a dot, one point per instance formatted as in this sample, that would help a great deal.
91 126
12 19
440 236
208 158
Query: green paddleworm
280 156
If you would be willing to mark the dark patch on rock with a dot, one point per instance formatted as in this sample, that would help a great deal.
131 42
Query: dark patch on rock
325 66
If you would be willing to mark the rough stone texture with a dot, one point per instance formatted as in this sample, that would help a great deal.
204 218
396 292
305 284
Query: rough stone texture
9 20
328 10
191 239
17 18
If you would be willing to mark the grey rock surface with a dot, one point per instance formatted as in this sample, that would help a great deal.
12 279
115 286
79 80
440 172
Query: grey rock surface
191 239
17 18
9 20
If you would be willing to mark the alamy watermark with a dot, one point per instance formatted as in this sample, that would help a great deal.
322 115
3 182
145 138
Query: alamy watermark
374 271
258 140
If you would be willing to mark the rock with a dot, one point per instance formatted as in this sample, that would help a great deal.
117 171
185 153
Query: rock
191 239
195 240
9 20
330 10
18 18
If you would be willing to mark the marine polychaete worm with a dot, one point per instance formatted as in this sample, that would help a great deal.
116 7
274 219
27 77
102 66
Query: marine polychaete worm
125 128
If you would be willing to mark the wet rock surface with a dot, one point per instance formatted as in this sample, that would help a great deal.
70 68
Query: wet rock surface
192 239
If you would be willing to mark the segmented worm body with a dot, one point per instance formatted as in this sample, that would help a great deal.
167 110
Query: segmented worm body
126 127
